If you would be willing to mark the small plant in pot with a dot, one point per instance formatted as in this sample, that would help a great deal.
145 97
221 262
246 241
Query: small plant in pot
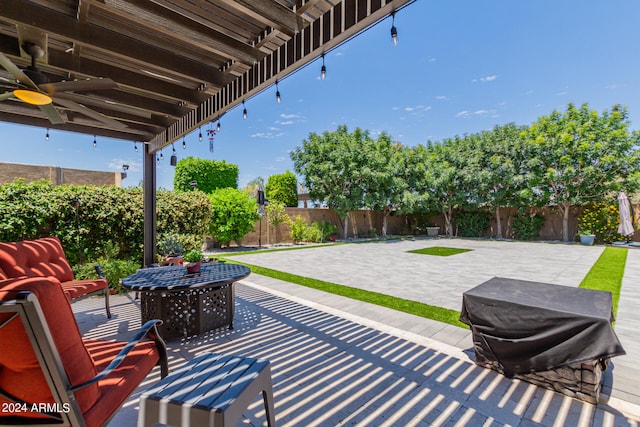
193 261
170 250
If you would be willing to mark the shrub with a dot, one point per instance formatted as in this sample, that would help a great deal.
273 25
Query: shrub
234 214
473 223
527 225
601 219
283 188
297 227
209 174
312 233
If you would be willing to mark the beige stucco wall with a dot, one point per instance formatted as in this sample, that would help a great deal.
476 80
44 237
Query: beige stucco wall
11 171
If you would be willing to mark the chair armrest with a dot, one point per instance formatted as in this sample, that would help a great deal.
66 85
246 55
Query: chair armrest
148 328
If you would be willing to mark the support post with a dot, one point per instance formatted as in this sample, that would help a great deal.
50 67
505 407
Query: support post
149 195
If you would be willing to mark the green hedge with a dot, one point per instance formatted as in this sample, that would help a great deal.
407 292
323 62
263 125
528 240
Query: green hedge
105 216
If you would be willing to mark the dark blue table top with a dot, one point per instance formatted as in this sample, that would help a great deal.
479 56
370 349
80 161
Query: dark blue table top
176 278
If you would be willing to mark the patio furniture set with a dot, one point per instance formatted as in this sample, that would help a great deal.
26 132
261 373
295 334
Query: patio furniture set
533 331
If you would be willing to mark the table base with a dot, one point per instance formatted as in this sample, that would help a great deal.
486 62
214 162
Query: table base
189 311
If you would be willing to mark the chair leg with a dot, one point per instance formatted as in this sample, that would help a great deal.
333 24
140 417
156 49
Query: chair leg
267 396
106 303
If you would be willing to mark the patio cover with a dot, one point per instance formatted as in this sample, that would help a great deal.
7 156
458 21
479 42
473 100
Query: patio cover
534 327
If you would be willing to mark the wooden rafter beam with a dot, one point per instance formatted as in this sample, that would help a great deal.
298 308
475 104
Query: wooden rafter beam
111 43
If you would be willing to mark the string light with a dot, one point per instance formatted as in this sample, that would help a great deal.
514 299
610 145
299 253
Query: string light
135 146
174 157
394 30
244 111
46 137
323 70
184 143
157 159
161 156
200 134
95 143
277 92
218 127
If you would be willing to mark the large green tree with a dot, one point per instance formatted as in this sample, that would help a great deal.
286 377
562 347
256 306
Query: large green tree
234 214
209 174
335 167
283 188
579 156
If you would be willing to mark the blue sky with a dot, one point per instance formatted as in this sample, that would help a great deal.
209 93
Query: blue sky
458 68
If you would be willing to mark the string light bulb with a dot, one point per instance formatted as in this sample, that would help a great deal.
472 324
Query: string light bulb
95 143
184 143
161 156
244 111
323 70
394 30
277 92
200 133
46 137
218 127
135 146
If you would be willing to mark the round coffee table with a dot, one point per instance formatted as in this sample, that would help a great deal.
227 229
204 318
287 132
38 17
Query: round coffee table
188 304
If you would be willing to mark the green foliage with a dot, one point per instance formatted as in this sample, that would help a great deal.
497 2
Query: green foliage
105 215
192 256
276 213
282 188
601 219
473 223
312 233
527 225
209 174
114 269
579 156
170 245
234 214
297 227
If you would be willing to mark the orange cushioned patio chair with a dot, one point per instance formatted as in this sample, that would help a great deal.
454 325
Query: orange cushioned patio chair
49 374
45 258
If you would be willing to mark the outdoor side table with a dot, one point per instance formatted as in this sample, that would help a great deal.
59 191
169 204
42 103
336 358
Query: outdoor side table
210 390
188 304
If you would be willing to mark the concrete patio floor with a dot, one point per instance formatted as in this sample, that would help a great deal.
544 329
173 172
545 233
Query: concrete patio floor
341 362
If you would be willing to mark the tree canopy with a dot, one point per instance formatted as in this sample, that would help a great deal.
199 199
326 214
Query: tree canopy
208 174
283 188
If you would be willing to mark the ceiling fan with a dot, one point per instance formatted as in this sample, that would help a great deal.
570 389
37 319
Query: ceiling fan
33 87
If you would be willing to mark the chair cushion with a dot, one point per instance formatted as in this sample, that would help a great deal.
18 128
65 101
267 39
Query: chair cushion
35 258
20 372
78 288
116 387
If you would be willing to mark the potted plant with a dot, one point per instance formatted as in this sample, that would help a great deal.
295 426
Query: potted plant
586 237
193 261
170 250
330 231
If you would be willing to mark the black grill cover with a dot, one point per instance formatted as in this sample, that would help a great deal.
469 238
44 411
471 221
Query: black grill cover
534 327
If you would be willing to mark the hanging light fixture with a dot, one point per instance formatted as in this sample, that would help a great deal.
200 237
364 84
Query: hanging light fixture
394 30
135 146
244 111
174 157
277 92
95 143
218 127
46 137
184 143
200 133
323 70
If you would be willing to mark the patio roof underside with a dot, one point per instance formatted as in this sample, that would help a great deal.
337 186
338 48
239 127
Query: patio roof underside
175 64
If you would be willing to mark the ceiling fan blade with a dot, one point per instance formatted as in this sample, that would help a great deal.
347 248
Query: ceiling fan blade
6 95
79 108
79 85
17 72
54 117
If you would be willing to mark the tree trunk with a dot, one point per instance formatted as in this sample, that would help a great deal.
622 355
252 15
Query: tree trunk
498 223
447 222
385 216
564 209
345 227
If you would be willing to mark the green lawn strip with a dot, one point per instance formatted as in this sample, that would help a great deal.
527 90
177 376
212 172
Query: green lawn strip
606 274
412 307
263 251
439 251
